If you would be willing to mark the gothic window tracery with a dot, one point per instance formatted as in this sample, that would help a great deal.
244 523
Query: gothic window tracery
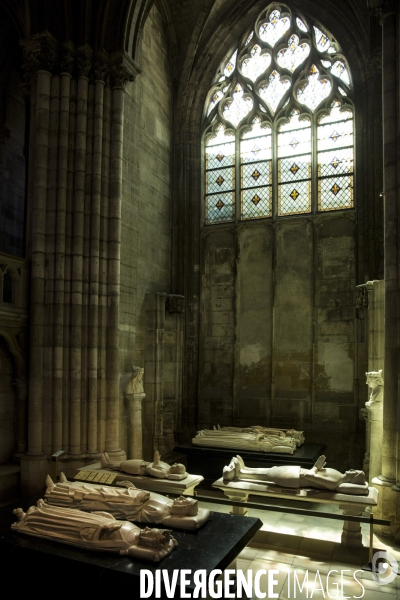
278 125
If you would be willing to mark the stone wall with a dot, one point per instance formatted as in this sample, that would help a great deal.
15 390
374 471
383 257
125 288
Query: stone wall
8 405
146 222
278 328
12 169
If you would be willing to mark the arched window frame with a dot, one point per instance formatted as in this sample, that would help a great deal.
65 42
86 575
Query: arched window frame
223 86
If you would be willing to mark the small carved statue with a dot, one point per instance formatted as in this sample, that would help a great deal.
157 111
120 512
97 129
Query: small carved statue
93 531
138 466
135 384
375 382
292 476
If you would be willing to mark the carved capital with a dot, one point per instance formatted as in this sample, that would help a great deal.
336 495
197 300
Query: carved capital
84 61
100 69
67 61
175 303
40 53
123 69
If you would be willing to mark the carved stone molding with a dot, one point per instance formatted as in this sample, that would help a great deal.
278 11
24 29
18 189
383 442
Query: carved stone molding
362 296
175 303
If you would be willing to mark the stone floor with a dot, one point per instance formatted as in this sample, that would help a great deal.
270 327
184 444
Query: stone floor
293 544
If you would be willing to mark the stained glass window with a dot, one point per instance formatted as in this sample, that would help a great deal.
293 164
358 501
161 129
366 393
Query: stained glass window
278 123
255 168
335 158
294 165
294 55
220 176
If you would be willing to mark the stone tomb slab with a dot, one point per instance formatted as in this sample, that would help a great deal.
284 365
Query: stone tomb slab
35 565
152 484
210 461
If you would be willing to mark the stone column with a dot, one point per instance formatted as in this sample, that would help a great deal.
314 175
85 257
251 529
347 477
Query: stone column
123 70
135 425
40 58
39 53
135 393
83 61
375 419
389 11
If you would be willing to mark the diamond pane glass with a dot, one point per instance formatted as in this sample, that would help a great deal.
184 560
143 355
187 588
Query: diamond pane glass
220 207
335 162
294 169
256 203
335 192
231 64
271 32
294 138
220 180
335 135
274 91
256 174
339 69
321 40
294 55
254 66
294 198
315 91
214 100
237 109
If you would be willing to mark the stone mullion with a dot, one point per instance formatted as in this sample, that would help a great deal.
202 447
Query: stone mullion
60 247
77 265
68 266
114 250
51 208
86 268
39 194
105 188
92 445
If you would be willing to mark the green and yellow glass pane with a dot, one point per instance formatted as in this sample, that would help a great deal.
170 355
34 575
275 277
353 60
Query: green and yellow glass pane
335 192
256 174
220 180
220 207
294 168
294 198
256 202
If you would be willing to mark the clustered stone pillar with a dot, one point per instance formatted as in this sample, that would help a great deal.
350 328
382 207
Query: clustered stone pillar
76 183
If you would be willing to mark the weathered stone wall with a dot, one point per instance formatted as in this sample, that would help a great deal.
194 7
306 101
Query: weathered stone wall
146 223
278 329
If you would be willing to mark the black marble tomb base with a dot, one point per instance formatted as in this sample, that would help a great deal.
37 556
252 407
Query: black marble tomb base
32 565
209 462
